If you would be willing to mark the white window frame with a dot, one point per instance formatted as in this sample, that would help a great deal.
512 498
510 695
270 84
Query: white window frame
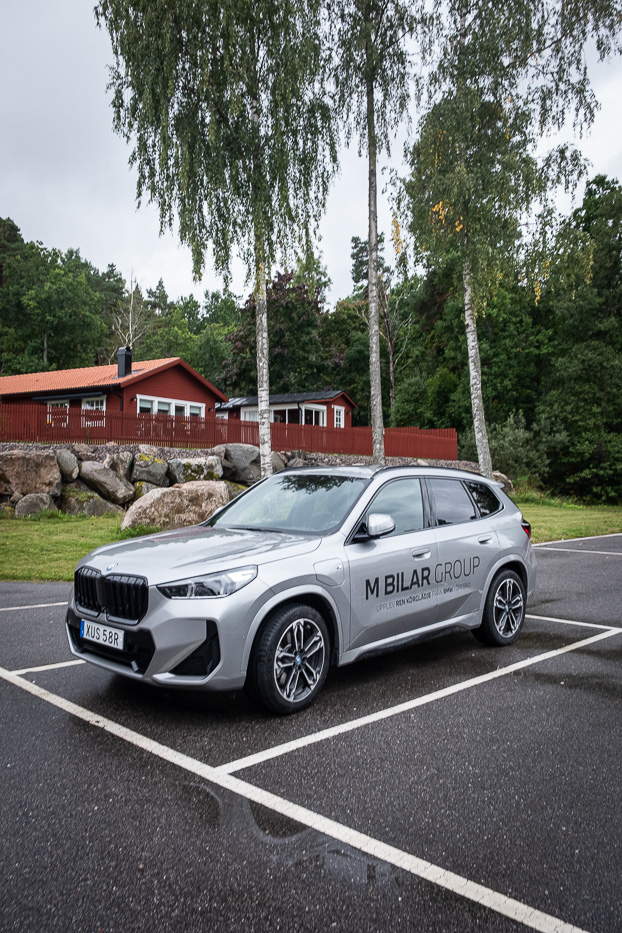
321 409
99 411
252 414
62 421
156 400
339 418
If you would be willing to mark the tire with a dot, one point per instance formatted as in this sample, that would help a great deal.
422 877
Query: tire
504 610
289 662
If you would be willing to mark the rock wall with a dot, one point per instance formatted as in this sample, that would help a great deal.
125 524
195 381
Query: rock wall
99 480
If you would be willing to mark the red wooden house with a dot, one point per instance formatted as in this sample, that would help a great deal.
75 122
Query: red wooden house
166 387
324 409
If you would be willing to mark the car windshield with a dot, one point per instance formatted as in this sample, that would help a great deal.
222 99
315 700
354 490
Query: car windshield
296 502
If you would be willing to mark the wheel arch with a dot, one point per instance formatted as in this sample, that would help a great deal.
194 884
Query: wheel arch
316 600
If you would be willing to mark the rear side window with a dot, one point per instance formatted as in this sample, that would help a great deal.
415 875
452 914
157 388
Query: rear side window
485 499
453 503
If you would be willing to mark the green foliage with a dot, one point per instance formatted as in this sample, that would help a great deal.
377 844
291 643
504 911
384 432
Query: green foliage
297 360
50 310
225 107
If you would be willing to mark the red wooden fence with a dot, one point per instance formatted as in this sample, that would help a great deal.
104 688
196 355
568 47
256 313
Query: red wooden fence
38 424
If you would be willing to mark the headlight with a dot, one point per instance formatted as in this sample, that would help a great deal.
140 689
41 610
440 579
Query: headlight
210 585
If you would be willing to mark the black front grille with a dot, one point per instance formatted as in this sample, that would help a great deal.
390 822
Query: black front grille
137 652
120 596
86 588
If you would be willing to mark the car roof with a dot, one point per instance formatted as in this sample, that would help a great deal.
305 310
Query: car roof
370 470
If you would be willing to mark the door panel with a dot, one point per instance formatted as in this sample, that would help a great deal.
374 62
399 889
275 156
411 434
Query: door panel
392 578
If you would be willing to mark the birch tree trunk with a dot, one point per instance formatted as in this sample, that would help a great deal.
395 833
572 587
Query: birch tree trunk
475 377
263 371
377 425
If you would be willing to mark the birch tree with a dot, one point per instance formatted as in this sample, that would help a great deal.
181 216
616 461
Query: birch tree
373 92
508 74
223 101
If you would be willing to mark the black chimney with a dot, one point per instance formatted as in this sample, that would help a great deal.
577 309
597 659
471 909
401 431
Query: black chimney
124 360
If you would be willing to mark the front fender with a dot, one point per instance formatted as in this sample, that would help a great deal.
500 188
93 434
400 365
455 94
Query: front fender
292 594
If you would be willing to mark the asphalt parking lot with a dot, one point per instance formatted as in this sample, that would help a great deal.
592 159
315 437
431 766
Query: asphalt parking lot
449 787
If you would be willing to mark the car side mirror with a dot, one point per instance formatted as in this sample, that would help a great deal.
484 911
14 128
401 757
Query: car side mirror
379 525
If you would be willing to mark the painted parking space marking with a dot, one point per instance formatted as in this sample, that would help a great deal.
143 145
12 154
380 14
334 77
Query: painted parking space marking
34 606
608 628
312 739
450 881
577 550
47 667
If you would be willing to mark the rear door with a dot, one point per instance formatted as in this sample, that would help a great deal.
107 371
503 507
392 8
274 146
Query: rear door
467 549
392 578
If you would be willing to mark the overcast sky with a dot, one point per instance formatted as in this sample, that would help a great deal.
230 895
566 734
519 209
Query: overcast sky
64 174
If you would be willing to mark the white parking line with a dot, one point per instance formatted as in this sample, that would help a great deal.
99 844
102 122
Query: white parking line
486 897
35 606
614 534
576 550
608 628
47 667
277 750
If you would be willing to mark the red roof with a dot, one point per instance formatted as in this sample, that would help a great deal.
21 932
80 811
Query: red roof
89 377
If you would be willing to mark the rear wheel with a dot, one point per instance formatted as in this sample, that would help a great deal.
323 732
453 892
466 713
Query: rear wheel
289 662
504 610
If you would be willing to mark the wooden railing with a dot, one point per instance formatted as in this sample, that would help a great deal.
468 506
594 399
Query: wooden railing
38 424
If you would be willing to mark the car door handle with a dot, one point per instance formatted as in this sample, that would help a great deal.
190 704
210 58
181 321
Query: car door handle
421 555
486 539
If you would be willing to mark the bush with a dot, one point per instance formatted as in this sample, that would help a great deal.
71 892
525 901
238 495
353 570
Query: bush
514 449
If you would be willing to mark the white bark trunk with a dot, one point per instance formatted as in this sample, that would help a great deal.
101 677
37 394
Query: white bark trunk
263 371
475 374
377 423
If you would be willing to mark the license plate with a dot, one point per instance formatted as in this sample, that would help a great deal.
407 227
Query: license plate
102 634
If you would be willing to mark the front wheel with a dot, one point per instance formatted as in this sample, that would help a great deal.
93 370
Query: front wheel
504 610
289 663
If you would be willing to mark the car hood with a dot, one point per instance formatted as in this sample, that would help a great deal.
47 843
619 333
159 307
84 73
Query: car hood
174 555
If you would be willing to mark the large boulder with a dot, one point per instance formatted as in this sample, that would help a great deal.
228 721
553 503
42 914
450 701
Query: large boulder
278 462
106 482
121 463
67 464
76 498
245 463
148 468
34 503
141 489
84 451
96 507
178 506
191 469
506 482
22 473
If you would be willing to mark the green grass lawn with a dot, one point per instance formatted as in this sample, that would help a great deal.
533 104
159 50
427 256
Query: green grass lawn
50 546
558 520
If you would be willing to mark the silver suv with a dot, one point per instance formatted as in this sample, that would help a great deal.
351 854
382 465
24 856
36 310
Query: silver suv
310 567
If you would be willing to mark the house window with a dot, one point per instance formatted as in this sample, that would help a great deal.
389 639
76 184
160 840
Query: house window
250 414
58 413
315 416
148 404
340 416
94 405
